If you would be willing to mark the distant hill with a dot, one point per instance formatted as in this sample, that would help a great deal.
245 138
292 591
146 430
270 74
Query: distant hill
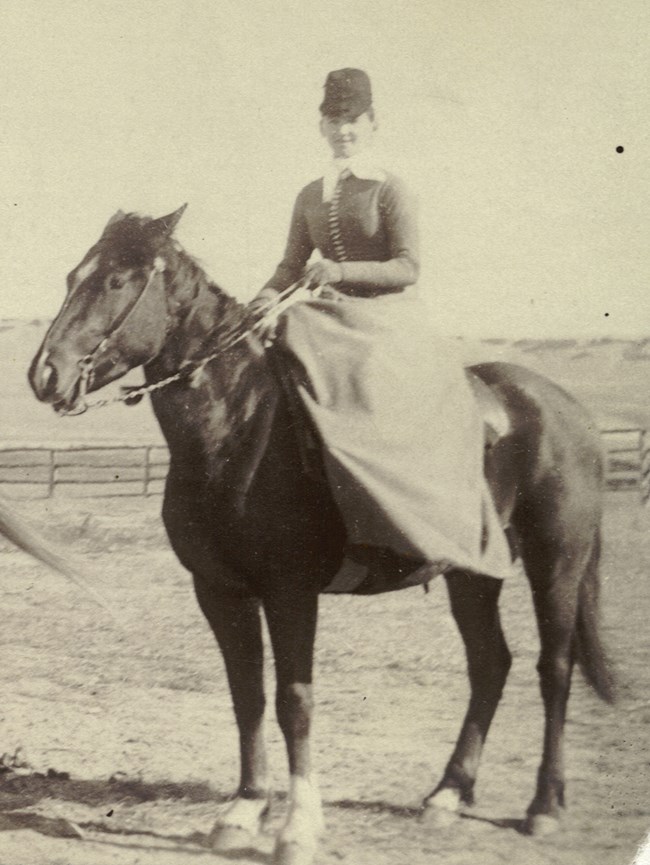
611 377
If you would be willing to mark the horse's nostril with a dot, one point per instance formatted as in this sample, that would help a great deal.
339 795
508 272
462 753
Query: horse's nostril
49 378
47 375
43 378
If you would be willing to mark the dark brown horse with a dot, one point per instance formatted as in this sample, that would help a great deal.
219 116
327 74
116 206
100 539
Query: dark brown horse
259 532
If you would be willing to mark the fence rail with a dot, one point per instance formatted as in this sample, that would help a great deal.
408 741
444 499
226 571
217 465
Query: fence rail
627 459
79 471
84 470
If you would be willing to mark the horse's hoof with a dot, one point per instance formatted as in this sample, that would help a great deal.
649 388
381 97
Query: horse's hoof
540 825
224 838
239 826
438 818
293 853
441 810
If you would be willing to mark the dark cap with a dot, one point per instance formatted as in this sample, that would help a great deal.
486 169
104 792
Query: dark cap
347 91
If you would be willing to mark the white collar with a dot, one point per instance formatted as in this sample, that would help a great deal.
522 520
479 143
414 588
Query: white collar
363 166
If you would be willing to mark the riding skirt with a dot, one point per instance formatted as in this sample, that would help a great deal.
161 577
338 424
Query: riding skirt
401 437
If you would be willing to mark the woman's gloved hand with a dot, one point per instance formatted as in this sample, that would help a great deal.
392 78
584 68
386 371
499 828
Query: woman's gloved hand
324 272
262 304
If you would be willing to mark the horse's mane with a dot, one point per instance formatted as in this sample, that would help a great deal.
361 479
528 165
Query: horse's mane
132 243
192 271
132 240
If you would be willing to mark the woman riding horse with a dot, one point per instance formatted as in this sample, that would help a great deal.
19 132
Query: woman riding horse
403 443
255 525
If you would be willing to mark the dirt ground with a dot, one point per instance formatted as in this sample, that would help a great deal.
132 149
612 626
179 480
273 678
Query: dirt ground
127 730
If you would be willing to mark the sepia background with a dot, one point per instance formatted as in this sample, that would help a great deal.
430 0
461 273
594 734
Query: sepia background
523 127
504 116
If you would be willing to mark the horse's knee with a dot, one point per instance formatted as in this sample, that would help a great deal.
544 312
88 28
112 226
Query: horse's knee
489 665
294 706
554 672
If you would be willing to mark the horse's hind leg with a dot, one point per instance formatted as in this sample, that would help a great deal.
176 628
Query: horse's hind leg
474 604
236 623
556 558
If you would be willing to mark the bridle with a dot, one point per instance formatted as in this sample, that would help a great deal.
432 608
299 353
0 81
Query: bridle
87 363
191 369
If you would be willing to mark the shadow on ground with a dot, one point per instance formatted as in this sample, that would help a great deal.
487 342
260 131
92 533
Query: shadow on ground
21 794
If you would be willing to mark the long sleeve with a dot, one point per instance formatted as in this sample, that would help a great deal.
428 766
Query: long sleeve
397 208
297 252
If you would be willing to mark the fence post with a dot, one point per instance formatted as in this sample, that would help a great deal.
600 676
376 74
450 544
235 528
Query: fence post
644 475
51 480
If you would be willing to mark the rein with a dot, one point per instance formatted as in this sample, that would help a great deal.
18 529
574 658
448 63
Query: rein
190 369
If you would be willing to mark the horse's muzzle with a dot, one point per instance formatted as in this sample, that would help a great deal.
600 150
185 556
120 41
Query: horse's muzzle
49 387
42 377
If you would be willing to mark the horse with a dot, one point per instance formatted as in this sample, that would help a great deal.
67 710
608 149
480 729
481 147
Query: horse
259 532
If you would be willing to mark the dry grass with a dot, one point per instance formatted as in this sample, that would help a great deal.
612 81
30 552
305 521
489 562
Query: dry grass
140 717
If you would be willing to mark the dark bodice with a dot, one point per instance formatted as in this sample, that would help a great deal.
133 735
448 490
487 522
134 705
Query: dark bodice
378 230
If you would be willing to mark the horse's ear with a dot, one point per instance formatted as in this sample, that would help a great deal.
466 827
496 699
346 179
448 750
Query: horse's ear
166 225
115 218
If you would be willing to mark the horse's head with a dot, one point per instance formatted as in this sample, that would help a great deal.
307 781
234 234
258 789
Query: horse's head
116 314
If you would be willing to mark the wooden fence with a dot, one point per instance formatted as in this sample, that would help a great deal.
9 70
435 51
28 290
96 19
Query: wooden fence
83 470
627 460
140 470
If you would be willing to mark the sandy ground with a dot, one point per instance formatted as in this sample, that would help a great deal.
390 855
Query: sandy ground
127 730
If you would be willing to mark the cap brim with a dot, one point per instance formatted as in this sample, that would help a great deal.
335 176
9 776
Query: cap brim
338 109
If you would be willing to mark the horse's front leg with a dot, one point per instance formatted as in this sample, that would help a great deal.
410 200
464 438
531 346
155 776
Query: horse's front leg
236 623
291 615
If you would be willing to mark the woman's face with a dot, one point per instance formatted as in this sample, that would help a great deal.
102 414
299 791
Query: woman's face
348 136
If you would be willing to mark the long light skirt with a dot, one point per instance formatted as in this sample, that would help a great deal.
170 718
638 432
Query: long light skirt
401 435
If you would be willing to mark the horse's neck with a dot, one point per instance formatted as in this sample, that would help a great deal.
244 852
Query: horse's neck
202 315
217 401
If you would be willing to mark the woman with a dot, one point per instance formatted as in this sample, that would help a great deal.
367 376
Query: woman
402 441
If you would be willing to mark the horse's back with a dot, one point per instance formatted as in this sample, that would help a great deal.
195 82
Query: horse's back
531 398
552 457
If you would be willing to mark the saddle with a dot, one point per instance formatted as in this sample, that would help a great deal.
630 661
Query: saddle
496 421
496 424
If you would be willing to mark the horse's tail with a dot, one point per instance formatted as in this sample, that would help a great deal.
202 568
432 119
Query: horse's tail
20 533
589 649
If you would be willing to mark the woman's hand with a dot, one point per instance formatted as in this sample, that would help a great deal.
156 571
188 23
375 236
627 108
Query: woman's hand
260 307
324 272
262 302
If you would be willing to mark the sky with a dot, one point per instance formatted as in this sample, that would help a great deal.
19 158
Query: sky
504 117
